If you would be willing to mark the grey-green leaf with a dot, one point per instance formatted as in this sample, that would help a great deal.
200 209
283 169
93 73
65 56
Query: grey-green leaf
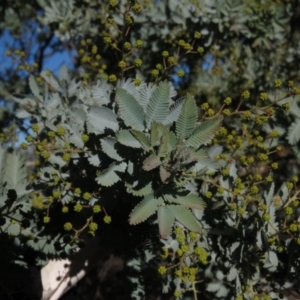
109 176
172 141
142 138
164 145
151 162
144 209
165 218
204 132
164 174
205 164
190 201
294 133
175 111
108 147
15 170
130 110
35 88
101 118
145 95
126 138
3 155
154 133
185 217
187 118
158 106
146 190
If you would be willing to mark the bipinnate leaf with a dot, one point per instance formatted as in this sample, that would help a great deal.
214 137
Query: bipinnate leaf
190 201
3 155
162 129
146 208
145 95
35 88
75 136
158 106
165 218
151 162
128 85
15 171
164 145
164 174
273 258
108 147
101 93
130 110
142 138
233 272
50 79
94 160
154 135
269 196
109 176
175 111
172 141
205 165
101 118
64 74
204 132
146 190
125 137
185 217
187 118
294 133
200 155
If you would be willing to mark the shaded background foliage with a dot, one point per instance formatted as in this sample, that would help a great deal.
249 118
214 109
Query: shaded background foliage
246 45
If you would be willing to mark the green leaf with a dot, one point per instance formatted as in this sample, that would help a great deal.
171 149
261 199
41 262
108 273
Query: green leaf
130 110
144 209
108 147
204 132
126 138
101 118
109 176
187 119
142 138
165 218
190 201
158 106
185 217
151 162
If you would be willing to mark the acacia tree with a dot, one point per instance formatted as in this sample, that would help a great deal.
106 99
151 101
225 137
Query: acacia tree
208 178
